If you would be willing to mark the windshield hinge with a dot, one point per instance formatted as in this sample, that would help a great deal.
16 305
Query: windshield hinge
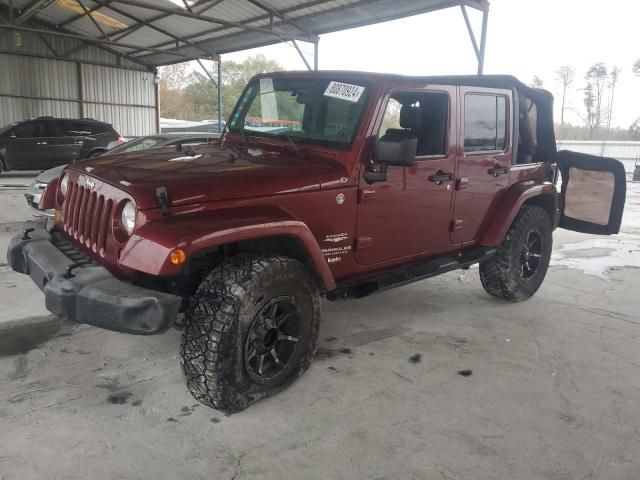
162 196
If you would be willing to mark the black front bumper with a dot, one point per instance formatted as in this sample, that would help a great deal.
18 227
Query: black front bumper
89 293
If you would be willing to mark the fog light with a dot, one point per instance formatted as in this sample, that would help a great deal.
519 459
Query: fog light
178 257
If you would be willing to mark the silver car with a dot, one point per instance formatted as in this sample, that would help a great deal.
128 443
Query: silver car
141 143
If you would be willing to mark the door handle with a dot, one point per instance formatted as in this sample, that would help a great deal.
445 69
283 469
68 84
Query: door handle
495 171
440 177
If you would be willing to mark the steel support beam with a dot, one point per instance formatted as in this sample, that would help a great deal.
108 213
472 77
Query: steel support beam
282 16
78 17
219 94
316 50
483 41
479 51
203 18
87 13
207 73
95 41
304 59
148 24
32 9
470 30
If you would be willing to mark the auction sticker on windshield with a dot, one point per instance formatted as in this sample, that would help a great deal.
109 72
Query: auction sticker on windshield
344 91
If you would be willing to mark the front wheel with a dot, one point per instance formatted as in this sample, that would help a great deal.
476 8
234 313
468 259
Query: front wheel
251 329
520 264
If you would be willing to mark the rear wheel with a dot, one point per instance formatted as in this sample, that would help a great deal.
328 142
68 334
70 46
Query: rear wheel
519 266
251 329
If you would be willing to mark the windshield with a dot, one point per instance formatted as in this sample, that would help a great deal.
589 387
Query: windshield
304 110
142 143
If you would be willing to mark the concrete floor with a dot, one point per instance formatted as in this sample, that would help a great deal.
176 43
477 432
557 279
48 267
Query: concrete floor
554 390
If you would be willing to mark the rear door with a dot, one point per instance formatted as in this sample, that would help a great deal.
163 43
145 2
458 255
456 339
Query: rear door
72 142
63 147
485 160
593 193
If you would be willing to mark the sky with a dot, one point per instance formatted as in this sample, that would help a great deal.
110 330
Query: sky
525 38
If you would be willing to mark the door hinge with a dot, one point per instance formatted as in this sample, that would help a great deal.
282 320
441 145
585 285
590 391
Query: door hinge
456 224
366 194
364 242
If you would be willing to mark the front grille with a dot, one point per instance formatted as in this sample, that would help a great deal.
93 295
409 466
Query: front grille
71 252
87 217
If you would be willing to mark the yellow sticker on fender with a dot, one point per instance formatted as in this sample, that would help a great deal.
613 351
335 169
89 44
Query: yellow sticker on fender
344 91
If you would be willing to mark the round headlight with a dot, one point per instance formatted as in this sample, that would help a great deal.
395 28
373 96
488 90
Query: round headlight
128 218
64 184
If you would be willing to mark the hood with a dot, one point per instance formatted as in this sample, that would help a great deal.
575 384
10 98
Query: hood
212 172
48 175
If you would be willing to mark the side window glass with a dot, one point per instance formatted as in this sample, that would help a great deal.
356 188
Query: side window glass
51 129
501 112
485 123
424 115
528 134
391 119
26 130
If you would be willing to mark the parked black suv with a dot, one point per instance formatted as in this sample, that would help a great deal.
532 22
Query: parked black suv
46 142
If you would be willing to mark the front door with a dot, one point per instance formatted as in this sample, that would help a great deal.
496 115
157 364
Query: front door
593 193
485 160
26 147
408 213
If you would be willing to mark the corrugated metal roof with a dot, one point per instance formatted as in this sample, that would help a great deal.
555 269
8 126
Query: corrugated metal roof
158 32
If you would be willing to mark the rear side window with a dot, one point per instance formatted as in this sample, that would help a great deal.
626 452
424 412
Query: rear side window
485 123
73 128
97 128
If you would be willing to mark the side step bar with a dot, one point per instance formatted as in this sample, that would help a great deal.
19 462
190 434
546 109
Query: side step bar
409 274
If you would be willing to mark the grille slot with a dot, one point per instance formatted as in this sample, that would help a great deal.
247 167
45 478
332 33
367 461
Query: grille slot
87 217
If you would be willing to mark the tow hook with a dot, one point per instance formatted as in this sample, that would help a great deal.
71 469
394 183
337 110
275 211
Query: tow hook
25 234
70 269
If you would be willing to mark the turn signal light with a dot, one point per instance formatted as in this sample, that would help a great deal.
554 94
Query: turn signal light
178 257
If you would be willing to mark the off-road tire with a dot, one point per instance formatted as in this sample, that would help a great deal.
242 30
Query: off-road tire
501 275
219 317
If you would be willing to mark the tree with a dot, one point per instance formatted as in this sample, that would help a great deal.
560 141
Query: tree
636 67
192 95
171 80
536 82
613 80
596 80
565 75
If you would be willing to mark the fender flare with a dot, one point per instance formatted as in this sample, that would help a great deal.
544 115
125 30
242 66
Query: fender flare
148 249
514 199
96 149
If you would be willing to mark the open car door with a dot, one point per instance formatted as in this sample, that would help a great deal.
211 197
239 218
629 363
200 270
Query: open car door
593 193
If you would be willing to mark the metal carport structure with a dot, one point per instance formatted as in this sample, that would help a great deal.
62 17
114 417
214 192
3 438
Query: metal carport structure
145 34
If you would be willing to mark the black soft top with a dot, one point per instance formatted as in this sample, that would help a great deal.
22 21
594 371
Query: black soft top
488 81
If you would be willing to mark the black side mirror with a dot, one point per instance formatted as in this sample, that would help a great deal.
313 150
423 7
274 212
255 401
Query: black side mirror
396 150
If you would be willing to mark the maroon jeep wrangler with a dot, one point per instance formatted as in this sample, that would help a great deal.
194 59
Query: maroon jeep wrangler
338 184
